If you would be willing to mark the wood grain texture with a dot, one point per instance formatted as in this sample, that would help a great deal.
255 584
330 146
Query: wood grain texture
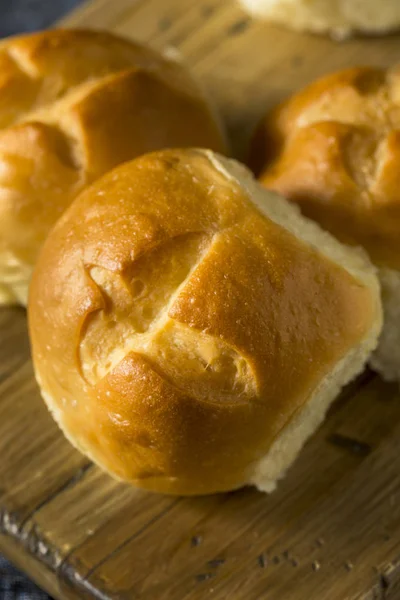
332 530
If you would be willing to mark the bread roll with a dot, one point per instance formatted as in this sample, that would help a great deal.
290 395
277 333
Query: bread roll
74 104
190 329
340 18
334 149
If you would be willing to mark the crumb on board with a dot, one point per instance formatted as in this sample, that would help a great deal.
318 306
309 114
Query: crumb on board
262 561
239 27
204 577
316 565
196 541
215 563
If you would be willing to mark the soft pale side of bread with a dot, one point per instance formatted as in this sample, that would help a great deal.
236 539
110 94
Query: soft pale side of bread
338 17
74 104
386 358
15 275
197 382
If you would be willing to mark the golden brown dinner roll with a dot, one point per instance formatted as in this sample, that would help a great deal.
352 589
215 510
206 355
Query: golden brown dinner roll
334 148
74 104
190 329
340 18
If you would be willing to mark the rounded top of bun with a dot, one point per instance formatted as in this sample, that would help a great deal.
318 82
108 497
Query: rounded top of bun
176 328
334 148
73 105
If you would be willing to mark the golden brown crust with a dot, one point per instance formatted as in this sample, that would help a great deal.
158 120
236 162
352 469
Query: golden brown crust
74 104
175 329
334 148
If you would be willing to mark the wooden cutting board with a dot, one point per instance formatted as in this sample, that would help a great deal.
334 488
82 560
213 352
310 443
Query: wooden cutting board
332 530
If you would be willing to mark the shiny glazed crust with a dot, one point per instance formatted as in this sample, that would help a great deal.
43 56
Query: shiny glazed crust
74 104
334 148
177 329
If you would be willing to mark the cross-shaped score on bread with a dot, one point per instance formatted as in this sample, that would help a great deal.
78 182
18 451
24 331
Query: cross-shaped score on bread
136 317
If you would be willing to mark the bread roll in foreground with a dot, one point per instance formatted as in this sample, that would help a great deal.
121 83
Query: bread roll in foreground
334 149
340 18
73 105
190 329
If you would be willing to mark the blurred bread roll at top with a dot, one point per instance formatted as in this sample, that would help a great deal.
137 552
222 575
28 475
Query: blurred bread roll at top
74 104
190 329
334 149
340 18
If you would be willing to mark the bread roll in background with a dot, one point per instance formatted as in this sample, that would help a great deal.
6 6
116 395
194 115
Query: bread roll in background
340 18
74 104
334 149
190 329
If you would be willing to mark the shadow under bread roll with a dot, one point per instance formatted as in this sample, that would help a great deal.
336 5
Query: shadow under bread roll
73 105
190 329
334 149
